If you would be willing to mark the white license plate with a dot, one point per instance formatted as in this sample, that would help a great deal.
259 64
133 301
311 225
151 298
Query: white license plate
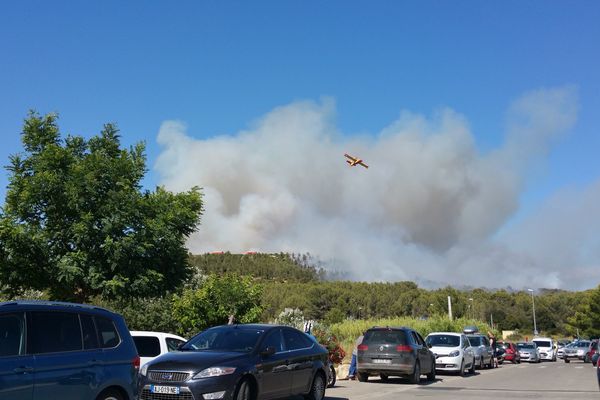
164 389
382 361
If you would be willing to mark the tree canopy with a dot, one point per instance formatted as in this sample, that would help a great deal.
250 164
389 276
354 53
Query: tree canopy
76 222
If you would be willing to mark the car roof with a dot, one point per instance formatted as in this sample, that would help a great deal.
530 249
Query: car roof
153 333
446 333
542 338
57 305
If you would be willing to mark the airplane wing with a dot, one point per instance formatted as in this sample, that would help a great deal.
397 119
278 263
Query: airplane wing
349 156
363 164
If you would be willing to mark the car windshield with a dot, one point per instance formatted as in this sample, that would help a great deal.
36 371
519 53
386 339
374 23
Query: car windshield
225 339
543 343
443 340
525 345
385 336
476 341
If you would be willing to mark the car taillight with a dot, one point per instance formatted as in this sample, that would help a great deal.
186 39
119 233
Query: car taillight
404 348
136 362
362 347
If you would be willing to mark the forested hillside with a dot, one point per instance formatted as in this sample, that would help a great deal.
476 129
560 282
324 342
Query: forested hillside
291 282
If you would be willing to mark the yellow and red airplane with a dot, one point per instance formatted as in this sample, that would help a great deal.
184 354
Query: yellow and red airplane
353 161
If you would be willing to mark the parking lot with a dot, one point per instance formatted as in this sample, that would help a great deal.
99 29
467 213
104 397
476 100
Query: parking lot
524 381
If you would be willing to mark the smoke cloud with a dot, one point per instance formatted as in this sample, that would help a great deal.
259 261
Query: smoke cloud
429 208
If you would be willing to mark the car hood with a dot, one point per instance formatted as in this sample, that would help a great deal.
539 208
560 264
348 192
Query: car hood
194 360
443 350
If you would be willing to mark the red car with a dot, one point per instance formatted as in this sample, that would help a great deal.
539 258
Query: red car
510 352
593 349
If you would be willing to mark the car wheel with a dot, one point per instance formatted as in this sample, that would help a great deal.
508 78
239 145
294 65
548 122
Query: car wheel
317 390
363 377
567 360
332 376
110 394
243 391
383 377
472 369
431 374
416 375
461 372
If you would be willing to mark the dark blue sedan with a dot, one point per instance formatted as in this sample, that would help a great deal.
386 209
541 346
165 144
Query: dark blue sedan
241 362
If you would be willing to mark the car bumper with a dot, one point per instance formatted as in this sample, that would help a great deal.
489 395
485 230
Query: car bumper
192 389
509 357
547 356
390 369
448 363
529 357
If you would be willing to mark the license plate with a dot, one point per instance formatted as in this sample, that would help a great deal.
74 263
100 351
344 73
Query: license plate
164 389
382 361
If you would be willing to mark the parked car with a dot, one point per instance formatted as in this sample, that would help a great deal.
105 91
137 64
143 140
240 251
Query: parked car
500 352
401 351
560 347
483 350
152 344
595 359
577 351
453 352
245 361
511 353
598 373
546 347
593 349
53 350
529 352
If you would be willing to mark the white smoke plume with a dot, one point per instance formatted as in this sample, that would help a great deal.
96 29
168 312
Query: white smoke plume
427 209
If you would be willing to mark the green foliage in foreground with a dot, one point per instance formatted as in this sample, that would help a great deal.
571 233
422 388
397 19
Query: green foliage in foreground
215 301
76 224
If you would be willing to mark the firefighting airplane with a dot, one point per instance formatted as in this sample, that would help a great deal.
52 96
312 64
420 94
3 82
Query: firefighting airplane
353 161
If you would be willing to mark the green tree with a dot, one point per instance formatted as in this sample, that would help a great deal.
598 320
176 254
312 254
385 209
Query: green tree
218 298
76 223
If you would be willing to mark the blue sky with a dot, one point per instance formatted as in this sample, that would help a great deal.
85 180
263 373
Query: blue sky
220 67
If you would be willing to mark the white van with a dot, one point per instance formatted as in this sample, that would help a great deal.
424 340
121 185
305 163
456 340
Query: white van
546 347
152 344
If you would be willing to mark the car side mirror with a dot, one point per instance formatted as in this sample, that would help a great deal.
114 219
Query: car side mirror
429 345
268 351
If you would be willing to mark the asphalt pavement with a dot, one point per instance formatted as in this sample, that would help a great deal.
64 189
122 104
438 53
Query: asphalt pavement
548 380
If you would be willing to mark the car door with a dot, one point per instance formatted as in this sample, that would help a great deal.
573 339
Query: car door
468 354
274 370
300 357
16 367
63 369
424 354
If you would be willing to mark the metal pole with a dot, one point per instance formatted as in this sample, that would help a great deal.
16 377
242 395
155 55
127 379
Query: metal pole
535 331
449 308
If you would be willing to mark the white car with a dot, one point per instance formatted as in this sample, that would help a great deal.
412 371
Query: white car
152 344
453 352
546 347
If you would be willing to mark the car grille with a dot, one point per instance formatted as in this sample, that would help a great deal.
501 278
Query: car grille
147 395
168 376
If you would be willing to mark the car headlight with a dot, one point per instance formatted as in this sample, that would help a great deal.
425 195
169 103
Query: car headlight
454 353
214 371
144 370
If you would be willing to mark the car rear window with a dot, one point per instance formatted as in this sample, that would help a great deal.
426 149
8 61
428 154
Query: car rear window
476 341
385 336
443 340
542 343
147 346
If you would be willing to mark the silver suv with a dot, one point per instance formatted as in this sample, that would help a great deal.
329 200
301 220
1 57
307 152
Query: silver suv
387 351
483 351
